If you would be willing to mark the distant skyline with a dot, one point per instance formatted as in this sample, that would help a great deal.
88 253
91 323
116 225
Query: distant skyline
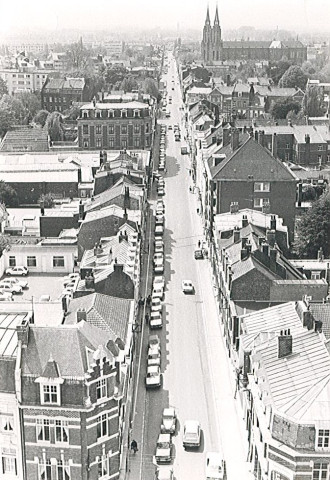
298 15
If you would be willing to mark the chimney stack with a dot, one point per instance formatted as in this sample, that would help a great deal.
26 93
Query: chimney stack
261 137
234 139
233 207
237 234
284 344
273 222
307 319
245 221
42 207
90 282
256 135
81 315
274 145
271 237
225 137
22 331
81 210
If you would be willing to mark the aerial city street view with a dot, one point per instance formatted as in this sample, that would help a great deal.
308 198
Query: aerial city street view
165 240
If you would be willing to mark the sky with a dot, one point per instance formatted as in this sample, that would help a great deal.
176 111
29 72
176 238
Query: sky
300 15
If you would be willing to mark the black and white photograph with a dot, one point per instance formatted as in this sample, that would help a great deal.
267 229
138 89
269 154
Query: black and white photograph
165 240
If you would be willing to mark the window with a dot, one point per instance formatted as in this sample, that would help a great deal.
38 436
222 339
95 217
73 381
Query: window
63 470
320 148
261 186
12 261
85 129
260 202
98 142
45 470
50 393
111 129
98 130
58 262
86 143
147 127
85 114
111 113
316 276
136 128
8 460
124 113
320 471
136 113
323 435
136 142
101 388
61 431
103 466
43 430
124 129
97 113
328 158
31 261
7 423
287 145
123 143
319 159
287 157
102 424
111 142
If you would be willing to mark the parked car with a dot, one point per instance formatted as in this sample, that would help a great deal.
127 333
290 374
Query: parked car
153 377
164 473
158 258
14 289
191 434
159 269
6 296
170 127
159 248
156 319
187 286
159 231
14 281
158 292
164 448
215 466
153 341
159 281
168 420
153 357
17 271
72 277
199 254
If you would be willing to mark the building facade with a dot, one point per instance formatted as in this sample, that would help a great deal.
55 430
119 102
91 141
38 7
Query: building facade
58 94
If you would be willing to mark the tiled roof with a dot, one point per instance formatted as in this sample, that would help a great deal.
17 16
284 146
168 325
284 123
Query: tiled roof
65 83
112 193
67 345
25 139
132 215
250 158
109 314
246 44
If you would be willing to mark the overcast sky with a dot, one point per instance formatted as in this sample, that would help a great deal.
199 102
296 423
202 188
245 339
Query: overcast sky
52 14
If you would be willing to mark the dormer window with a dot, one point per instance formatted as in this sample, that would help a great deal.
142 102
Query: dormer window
136 113
85 114
111 113
98 113
50 394
50 384
124 113
101 389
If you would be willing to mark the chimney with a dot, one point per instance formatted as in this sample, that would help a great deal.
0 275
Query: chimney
272 259
234 139
237 234
265 249
248 247
271 237
244 254
273 222
125 215
233 207
225 137
261 137
81 210
256 135
90 282
42 207
230 277
274 145
299 195
320 255
307 138
307 319
228 80
318 326
81 315
284 344
261 241
245 221
117 267
22 331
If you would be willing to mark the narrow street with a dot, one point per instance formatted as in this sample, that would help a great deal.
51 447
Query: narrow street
197 376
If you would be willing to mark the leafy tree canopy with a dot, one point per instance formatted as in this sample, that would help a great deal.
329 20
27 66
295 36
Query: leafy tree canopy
129 84
150 87
275 70
281 108
293 77
54 126
41 117
8 195
3 87
312 103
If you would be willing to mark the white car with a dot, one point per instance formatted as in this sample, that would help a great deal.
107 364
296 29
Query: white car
161 166
14 281
160 219
164 473
164 448
159 269
156 304
153 377
159 281
153 357
156 319
159 231
161 191
72 277
187 286
191 434
158 259
159 248
168 420
17 271
158 292
154 341
215 466
6 296
14 289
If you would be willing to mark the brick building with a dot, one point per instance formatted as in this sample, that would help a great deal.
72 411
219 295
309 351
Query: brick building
116 126
70 406
58 94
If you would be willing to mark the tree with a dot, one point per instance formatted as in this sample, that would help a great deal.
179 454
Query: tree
8 195
6 121
275 70
54 126
4 242
150 87
313 230
47 199
293 77
72 113
31 103
79 56
281 108
3 87
296 118
14 107
115 74
313 101
41 117
129 84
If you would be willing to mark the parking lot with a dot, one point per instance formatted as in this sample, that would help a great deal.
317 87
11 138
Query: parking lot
41 285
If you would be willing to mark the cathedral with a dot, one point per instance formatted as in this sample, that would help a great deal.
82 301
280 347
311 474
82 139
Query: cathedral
214 49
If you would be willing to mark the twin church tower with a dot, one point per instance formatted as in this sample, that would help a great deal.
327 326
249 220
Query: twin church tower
212 43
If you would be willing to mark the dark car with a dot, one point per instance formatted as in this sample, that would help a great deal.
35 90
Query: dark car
199 254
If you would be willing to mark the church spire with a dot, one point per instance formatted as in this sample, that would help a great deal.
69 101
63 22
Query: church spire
216 18
207 20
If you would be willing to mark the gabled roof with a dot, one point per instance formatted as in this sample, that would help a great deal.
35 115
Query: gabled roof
26 139
66 344
65 83
110 314
251 159
51 369
132 215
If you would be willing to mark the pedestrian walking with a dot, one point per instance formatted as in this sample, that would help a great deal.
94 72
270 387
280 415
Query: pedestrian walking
147 318
148 299
134 446
199 244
